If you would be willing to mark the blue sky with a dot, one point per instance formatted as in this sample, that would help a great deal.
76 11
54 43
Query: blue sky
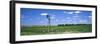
33 16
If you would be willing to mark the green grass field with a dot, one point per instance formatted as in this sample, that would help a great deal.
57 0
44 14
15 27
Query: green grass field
40 30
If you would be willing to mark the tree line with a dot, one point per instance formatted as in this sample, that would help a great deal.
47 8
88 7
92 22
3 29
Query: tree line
71 24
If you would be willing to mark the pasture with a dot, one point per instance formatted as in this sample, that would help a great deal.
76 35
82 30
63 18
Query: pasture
40 30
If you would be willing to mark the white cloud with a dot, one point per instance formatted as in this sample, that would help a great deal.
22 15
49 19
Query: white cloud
82 21
68 12
76 16
77 12
65 11
44 14
56 20
89 16
52 17
72 12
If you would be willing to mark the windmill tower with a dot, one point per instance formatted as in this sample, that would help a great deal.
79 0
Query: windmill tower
48 18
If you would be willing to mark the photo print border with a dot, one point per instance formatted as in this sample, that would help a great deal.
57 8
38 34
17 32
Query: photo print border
13 21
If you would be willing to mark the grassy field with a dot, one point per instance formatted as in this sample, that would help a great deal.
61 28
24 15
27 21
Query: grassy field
39 30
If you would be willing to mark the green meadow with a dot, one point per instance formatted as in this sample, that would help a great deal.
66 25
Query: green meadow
60 29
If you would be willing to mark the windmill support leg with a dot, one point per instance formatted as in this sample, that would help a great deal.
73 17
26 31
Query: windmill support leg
49 25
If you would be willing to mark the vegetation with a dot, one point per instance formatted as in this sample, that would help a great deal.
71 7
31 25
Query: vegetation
60 29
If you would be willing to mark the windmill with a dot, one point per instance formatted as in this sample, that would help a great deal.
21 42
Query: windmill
48 18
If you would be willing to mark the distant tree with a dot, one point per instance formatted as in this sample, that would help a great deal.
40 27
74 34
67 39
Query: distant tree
60 24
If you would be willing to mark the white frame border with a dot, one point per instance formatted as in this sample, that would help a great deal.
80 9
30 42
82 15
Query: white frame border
54 36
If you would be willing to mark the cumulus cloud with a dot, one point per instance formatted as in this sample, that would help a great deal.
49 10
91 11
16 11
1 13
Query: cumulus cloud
70 12
44 14
77 12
